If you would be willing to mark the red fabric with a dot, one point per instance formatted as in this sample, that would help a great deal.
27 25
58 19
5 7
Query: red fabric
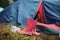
41 12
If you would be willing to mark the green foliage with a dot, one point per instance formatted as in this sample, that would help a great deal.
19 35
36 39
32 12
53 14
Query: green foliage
4 3
6 34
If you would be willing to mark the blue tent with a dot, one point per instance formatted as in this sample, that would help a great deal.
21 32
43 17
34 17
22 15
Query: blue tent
21 10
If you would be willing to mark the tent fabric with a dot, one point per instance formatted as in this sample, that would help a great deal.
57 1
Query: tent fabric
41 12
21 10
52 15
52 11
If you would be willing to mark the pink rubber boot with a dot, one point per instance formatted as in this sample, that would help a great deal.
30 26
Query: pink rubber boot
34 28
28 28
53 26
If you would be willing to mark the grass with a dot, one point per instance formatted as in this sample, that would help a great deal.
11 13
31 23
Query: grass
6 34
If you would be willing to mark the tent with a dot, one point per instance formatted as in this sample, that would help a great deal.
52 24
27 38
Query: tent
19 11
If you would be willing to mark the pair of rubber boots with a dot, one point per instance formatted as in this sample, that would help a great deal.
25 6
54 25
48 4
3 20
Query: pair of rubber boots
30 28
